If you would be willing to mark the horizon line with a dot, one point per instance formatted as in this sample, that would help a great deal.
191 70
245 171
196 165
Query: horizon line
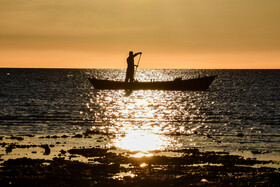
145 68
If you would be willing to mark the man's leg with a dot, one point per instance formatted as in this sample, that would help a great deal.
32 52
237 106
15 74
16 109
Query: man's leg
130 76
126 76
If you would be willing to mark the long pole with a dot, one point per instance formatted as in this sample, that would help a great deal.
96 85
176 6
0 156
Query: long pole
137 63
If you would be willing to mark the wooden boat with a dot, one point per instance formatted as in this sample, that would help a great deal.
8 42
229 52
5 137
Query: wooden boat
178 84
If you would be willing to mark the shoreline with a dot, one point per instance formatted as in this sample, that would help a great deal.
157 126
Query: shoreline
32 146
53 160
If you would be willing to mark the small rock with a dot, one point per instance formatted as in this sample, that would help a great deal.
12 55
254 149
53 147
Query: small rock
47 149
9 148
77 136
29 135
240 134
16 138
209 136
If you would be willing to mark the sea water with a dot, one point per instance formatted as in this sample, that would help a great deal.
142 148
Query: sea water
239 112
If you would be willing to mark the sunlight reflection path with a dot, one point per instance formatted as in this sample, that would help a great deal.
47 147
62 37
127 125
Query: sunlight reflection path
142 140
144 120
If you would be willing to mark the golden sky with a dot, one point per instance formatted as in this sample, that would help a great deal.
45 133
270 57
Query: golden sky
170 33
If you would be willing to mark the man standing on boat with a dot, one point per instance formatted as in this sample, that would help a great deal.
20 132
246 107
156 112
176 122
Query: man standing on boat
130 66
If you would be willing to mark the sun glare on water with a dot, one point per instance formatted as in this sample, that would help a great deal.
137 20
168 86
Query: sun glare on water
141 140
135 137
140 122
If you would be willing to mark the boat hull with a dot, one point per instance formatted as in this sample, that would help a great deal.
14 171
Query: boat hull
190 84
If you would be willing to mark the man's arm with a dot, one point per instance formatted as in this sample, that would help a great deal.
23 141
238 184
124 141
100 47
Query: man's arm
137 54
140 53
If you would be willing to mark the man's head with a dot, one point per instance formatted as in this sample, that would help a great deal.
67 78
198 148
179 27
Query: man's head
130 53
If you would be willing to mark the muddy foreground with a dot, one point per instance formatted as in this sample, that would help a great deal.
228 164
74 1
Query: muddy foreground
110 167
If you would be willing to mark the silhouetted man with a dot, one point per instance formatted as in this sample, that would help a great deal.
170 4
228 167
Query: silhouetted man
130 66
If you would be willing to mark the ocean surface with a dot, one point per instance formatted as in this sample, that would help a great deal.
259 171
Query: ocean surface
239 112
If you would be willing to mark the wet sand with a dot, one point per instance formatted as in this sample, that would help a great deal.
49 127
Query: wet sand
70 160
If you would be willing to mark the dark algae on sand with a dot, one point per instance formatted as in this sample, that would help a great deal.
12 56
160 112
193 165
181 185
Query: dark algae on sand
192 167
